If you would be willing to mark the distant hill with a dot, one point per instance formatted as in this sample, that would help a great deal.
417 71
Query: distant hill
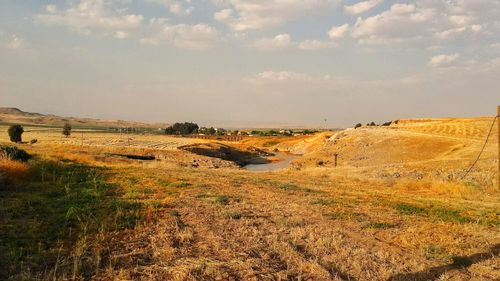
11 115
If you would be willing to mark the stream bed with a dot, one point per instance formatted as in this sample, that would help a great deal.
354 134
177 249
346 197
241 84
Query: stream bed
286 158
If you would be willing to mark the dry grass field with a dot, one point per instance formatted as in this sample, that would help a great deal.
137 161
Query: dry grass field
394 208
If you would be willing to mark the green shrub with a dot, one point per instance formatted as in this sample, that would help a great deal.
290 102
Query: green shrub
14 153
15 133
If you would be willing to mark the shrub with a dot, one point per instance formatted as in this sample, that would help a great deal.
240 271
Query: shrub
15 133
66 130
358 126
33 141
14 153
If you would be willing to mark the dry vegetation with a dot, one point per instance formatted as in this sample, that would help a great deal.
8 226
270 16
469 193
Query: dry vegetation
395 208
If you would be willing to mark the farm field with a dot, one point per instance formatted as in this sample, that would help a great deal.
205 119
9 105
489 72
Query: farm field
394 207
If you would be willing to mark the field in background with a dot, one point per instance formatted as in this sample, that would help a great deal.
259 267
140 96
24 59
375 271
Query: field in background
394 208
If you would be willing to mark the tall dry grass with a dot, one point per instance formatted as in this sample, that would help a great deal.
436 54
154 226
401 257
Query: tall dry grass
13 172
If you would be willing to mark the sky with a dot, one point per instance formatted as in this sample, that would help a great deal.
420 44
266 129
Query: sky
251 62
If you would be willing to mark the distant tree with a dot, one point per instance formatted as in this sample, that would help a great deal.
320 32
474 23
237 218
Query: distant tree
358 126
307 132
211 131
373 124
66 130
15 133
185 128
387 123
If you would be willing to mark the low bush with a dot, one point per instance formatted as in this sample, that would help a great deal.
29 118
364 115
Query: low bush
13 153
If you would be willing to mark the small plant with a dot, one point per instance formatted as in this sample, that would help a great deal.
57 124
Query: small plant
66 130
33 141
16 133
434 251
234 215
222 200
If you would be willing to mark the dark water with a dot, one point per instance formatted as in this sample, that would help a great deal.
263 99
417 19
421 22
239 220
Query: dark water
284 163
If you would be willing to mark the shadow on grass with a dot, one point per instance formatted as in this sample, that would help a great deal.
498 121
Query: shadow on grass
48 216
458 263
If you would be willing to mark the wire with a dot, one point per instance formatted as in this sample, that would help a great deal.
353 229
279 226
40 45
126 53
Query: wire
482 149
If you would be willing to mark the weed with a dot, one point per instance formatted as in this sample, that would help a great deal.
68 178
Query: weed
234 215
164 183
449 215
434 251
409 209
222 200
378 225
337 216
182 184
324 202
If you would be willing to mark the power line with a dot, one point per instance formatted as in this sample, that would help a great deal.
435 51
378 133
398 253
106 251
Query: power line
482 149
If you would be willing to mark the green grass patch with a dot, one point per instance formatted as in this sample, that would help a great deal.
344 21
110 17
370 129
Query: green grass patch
378 225
271 143
181 184
337 216
164 183
290 186
324 202
409 209
60 203
449 215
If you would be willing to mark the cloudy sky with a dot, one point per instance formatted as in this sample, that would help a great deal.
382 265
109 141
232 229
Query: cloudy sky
251 61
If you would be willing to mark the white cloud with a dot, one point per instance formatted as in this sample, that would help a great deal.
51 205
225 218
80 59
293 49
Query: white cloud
176 7
311 45
242 15
91 16
338 31
280 41
443 60
428 21
198 36
121 34
15 42
361 7
279 76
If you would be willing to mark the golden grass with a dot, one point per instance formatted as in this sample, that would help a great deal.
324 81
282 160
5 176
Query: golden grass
367 219
13 172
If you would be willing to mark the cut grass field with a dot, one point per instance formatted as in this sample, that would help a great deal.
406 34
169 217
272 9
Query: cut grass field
73 213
